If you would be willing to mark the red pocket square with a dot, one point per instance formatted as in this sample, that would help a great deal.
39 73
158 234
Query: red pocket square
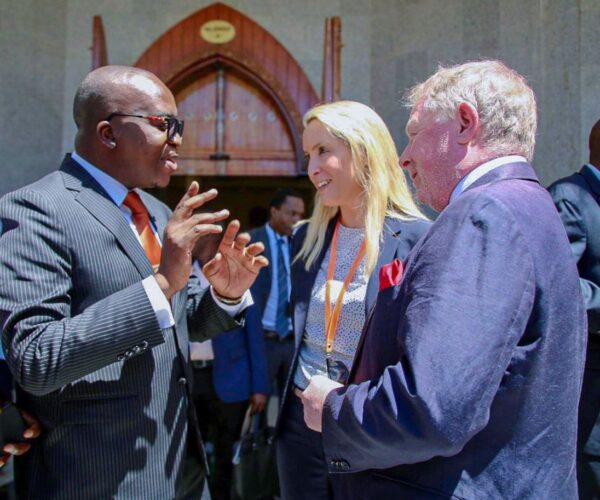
390 274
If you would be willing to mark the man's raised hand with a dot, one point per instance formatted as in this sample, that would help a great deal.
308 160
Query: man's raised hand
236 265
181 233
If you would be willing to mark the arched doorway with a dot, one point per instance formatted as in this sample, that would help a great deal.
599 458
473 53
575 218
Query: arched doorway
242 100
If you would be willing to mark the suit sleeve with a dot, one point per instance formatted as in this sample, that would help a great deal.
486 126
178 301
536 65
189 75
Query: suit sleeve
575 226
45 345
255 343
205 317
464 303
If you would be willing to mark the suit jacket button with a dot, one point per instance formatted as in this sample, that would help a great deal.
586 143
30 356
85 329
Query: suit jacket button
344 465
120 357
182 381
144 344
136 349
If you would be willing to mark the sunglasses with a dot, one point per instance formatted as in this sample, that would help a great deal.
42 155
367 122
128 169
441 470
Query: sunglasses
168 124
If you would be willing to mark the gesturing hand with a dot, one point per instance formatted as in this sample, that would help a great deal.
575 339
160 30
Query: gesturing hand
181 233
236 265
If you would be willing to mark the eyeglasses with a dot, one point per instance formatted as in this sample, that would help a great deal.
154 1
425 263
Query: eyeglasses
168 124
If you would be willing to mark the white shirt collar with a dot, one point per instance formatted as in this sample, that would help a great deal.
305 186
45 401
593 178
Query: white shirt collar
112 186
481 170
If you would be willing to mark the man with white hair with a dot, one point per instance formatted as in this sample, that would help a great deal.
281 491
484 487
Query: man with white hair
466 381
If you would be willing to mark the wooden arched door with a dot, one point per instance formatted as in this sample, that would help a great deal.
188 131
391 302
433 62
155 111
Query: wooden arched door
234 126
242 102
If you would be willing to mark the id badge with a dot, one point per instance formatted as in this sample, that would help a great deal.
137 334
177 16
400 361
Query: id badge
337 370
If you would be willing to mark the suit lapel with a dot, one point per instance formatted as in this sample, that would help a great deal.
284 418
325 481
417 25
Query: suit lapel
90 195
391 230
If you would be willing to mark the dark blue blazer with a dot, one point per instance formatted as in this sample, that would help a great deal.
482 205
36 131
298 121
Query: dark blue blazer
240 364
467 378
399 236
262 286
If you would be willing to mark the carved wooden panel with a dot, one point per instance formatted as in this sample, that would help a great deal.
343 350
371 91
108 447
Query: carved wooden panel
240 132
263 83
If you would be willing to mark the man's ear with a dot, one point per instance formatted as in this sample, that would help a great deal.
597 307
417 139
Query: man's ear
468 120
105 133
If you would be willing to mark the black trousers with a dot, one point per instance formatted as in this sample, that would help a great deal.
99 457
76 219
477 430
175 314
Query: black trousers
279 361
220 424
301 462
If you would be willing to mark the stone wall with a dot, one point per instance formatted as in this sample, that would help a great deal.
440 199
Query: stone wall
388 46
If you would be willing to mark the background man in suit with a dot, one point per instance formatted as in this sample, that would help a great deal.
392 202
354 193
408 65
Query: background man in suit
230 372
271 290
97 294
467 377
12 448
576 197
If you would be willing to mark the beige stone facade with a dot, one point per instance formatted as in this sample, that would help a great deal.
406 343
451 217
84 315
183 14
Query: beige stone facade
388 46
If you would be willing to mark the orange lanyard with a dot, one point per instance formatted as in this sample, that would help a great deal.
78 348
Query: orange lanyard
331 320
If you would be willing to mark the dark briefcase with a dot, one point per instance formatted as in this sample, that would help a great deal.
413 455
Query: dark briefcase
254 463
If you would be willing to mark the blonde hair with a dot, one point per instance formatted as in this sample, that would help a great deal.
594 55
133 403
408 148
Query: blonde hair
503 99
375 167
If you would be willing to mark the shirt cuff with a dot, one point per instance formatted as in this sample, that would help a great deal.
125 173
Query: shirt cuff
233 311
159 302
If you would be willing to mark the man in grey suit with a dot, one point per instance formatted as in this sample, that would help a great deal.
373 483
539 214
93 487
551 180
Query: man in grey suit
577 199
95 337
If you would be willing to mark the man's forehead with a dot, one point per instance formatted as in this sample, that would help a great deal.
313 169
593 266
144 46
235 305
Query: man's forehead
413 119
421 115
151 95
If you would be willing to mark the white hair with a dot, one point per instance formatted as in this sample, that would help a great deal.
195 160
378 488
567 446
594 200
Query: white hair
503 99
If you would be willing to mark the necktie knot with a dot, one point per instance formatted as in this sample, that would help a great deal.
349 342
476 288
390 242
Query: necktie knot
139 211
135 204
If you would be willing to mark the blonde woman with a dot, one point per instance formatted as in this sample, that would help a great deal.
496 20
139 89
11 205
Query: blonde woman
364 218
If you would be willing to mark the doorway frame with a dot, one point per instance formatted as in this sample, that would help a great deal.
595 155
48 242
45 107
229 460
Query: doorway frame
181 53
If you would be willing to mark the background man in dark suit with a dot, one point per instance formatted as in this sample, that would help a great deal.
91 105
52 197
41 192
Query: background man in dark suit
467 377
577 197
230 373
96 295
271 290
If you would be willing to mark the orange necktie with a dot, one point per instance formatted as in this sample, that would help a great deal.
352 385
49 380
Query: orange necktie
141 219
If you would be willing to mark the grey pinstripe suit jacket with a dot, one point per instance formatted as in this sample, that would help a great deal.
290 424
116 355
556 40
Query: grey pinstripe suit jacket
83 342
